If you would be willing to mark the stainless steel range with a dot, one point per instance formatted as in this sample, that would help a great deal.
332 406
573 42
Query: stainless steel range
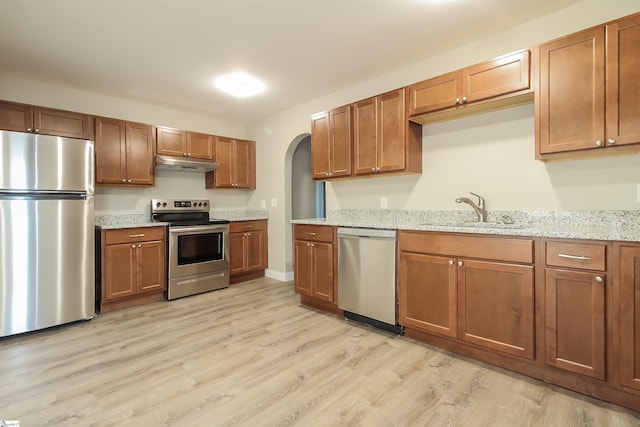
198 246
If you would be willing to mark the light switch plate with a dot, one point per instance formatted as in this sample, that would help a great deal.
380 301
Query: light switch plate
274 202
263 204
384 203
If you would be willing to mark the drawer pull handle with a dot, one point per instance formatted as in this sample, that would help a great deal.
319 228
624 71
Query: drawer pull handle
136 235
311 234
246 227
578 257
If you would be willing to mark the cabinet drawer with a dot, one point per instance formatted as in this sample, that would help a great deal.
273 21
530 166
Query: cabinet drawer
590 256
495 248
243 226
317 233
131 235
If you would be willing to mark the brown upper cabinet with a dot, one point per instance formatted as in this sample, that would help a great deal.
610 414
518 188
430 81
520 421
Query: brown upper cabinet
46 121
331 141
236 164
384 139
124 152
498 81
179 143
587 98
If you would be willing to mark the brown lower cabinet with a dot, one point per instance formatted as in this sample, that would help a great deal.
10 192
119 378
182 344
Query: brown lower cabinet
487 303
248 244
563 311
132 267
315 266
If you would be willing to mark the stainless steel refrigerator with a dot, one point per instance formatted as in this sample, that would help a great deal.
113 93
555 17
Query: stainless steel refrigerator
46 231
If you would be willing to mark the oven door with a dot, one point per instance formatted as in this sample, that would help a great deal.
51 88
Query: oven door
198 249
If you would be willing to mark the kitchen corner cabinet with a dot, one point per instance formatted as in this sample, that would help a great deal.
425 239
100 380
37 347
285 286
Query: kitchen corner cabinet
574 306
587 100
477 290
45 121
179 143
133 268
331 143
315 265
236 164
500 79
627 304
124 153
384 140
248 250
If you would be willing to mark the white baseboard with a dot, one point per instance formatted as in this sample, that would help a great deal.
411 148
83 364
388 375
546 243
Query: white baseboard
279 275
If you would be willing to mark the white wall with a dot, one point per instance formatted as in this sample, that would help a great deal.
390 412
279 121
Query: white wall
491 154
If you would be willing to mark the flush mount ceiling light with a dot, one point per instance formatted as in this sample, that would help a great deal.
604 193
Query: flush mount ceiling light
239 84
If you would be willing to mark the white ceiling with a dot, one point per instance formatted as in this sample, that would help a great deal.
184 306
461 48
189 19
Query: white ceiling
167 52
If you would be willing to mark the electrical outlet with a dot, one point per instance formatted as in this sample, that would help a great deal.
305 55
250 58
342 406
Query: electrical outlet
274 202
263 204
384 203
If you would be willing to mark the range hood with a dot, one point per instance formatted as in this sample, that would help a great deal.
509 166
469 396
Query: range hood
184 164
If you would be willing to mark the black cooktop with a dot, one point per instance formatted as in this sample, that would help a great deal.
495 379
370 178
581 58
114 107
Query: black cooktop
179 223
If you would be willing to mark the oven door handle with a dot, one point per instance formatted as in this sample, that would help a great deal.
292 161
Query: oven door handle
196 229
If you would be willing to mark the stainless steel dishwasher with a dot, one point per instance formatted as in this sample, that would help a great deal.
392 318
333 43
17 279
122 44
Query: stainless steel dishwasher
367 276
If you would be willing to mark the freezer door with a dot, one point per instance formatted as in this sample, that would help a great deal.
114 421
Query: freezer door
46 262
30 162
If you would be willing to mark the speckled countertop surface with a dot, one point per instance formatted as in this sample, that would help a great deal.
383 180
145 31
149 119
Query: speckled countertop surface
143 220
594 225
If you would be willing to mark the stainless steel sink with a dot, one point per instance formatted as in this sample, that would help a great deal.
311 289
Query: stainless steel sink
473 224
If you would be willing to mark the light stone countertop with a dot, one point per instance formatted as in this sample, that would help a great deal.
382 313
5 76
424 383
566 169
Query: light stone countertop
143 220
592 225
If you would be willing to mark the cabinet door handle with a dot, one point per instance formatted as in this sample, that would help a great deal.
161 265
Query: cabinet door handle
139 245
36 130
599 279
450 262
129 181
29 129
124 180
136 235
611 141
133 246
457 101
578 257
460 264
184 154
464 99
599 143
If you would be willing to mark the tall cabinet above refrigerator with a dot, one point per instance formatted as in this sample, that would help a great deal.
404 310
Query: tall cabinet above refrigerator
46 231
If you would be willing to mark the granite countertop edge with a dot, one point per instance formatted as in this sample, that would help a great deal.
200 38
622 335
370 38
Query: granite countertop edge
548 230
106 222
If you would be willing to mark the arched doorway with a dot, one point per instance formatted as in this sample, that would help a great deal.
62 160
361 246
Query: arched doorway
304 198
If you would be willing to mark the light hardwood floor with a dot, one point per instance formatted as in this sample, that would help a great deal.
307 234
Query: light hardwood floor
250 355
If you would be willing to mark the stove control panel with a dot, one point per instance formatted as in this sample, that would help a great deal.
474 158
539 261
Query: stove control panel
172 205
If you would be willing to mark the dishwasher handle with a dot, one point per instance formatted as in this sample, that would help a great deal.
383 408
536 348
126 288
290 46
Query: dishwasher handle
366 233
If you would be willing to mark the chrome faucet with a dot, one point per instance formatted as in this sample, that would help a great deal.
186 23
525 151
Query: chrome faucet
480 208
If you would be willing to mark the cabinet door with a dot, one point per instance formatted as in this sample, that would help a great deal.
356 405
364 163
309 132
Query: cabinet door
570 111
427 292
391 131
623 81
500 76
365 136
151 266
320 151
61 123
575 321
322 271
435 94
200 146
171 142
224 156
341 138
303 267
255 250
628 305
120 271
139 154
243 164
16 117
496 306
110 151
237 250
